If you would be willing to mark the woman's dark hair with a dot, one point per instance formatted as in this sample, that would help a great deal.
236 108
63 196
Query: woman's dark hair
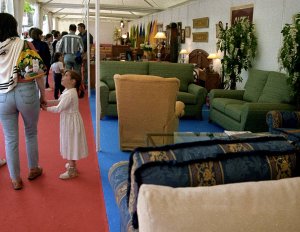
35 34
8 27
56 57
48 36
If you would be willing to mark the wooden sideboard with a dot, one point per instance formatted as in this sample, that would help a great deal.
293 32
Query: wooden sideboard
212 81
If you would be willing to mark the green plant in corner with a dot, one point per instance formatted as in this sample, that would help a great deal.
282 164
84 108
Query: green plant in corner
289 56
117 35
239 45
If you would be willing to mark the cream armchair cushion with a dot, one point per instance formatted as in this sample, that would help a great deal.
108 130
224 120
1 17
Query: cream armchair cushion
269 206
146 104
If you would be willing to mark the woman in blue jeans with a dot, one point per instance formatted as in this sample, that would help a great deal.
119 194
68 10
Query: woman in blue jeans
18 96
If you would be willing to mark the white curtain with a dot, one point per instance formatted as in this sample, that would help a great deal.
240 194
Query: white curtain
38 16
18 6
50 21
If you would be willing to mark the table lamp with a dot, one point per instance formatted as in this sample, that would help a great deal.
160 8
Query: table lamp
212 56
160 36
183 52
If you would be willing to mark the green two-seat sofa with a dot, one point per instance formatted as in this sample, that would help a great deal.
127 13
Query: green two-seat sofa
191 94
245 110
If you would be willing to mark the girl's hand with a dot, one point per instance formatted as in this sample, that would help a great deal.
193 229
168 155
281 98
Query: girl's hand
43 102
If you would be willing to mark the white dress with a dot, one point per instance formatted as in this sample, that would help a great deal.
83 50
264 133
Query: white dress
73 145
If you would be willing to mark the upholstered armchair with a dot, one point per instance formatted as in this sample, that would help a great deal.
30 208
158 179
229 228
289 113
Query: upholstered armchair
146 104
286 123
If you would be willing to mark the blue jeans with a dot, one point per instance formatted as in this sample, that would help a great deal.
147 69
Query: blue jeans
24 99
69 60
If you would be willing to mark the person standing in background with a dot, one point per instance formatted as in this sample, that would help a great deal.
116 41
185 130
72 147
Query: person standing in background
49 41
42 49
56 38
57 69
69 46
83 34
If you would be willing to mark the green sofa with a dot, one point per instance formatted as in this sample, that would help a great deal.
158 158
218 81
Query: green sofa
245 110
191 94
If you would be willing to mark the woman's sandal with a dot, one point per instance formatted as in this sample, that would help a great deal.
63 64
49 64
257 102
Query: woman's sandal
2 162
17 184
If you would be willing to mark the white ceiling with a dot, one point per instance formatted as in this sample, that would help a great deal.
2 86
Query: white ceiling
109 9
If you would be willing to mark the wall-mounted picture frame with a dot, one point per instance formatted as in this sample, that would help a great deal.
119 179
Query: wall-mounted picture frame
200 37
241 12
182 38
159 27
217 30
179 27
187 32
201 22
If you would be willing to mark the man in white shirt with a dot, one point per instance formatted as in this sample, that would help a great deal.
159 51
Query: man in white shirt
70 45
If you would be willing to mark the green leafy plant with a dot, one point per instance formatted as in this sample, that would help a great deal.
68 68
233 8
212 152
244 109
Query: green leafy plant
289 55
146 47
117 35
28 8
239 44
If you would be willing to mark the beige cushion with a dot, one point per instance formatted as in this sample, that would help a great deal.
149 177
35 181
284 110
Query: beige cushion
146 104
251 206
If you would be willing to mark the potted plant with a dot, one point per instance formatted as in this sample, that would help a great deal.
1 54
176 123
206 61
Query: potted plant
117 35
147 48
239 45
289 56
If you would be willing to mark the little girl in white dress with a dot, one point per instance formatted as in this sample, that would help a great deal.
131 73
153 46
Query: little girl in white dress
73 145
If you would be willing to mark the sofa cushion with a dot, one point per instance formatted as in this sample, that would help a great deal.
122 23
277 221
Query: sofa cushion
234 111
221 103
187 98
184 72
212 162
276 89
112 98
253 206
109 68
255 84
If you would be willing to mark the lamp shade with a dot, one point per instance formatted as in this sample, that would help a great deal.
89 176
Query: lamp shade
160 35
213 56
183 51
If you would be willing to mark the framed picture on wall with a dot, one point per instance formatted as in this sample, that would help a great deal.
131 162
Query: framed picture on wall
182 38
187 32
241 12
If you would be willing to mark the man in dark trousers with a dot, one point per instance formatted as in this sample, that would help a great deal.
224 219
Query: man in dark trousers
83 34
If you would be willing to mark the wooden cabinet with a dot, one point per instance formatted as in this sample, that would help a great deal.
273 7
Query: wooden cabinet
92 73
212 81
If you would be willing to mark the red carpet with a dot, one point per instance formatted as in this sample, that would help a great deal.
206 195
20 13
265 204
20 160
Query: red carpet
49 204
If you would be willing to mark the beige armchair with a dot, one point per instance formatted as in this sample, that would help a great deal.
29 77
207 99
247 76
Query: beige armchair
146 104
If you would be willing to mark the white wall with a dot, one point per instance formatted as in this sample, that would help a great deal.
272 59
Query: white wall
269 17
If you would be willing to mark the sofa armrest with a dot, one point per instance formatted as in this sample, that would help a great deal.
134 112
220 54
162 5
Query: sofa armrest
223 93
283 119
200 93
104 93
197 90
253 111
